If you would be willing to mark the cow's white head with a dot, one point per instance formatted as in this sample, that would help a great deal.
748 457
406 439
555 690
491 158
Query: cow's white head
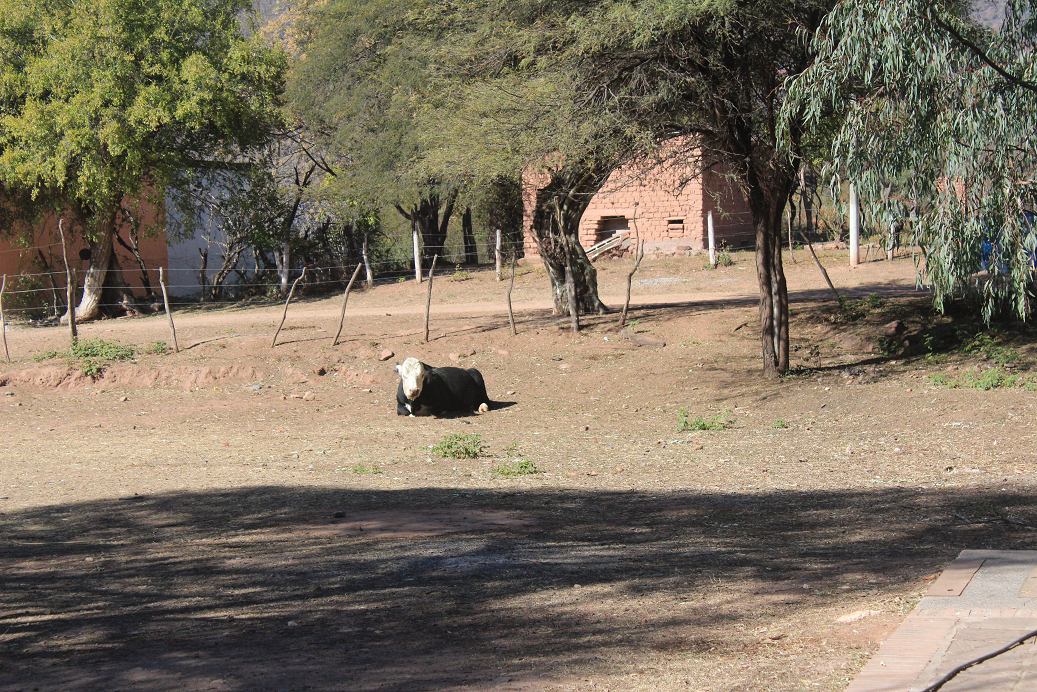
412 372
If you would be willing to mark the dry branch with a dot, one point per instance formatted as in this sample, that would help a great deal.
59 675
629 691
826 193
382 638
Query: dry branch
428 300
290 294
345 299
165 303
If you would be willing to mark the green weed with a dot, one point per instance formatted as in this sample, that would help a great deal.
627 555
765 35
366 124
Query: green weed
780 424
460 447
984 345
520 467
90 355
366 470
994 378
721 421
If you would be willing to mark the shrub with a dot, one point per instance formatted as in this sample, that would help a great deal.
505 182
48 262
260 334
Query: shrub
717 422
459 447
520 467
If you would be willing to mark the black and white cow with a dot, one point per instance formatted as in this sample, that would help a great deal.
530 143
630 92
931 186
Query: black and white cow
428 391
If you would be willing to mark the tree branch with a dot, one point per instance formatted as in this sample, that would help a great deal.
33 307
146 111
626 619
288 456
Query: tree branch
982 55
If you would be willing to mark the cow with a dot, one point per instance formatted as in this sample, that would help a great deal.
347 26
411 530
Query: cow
428 391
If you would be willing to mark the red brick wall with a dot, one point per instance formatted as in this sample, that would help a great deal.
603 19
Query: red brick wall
46 240
667 216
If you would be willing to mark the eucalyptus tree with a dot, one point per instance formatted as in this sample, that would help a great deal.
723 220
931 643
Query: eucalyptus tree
576 88
104 100
361 76
940 104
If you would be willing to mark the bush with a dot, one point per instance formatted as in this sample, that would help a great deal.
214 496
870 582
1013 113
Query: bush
459 447
717 422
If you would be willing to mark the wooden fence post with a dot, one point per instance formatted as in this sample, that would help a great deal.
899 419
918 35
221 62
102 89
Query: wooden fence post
71 289
511 314
417 255
169 315
345 299
712 241
290 294
497 256
3 321
428 301
855 227
70 286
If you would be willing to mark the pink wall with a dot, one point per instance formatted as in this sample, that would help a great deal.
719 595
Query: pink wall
45 247
668 216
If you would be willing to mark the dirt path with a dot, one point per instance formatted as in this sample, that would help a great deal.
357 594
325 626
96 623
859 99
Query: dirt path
241 517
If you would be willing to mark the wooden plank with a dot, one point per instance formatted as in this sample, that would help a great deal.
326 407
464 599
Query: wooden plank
955 578
1029 589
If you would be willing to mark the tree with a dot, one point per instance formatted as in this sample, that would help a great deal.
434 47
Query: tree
106 99
578 88
940 112
357 86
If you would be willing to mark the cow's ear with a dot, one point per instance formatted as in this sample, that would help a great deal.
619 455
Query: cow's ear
398 371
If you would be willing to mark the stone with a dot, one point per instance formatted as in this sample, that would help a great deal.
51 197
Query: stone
385 354
893 329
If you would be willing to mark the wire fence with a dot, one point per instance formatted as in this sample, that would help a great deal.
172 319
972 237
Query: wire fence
42 293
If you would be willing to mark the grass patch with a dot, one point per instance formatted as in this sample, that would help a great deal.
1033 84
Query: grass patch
994 378
90 355
780 424
721 421
520 467
366 470
460 447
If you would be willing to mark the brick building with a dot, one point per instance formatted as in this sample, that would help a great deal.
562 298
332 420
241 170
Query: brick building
668 216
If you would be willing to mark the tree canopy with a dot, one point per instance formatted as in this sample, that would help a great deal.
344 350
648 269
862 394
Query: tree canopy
101 99
579 88
940 114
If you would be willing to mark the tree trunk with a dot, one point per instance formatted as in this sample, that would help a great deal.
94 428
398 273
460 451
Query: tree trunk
767 208
102 249
471 250
203 272
556 223
367 264
282 259
432 227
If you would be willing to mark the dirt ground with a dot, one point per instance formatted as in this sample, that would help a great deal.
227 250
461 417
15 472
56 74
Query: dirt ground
244 517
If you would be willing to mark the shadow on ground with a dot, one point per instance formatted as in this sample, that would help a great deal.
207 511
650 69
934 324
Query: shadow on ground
278 588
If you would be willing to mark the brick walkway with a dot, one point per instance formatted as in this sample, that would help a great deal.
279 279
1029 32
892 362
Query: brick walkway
983 601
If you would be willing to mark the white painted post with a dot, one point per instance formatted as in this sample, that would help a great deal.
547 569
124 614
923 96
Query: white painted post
417 257
855 231
712 241
498 255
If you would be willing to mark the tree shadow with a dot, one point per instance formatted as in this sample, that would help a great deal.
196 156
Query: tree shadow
284 588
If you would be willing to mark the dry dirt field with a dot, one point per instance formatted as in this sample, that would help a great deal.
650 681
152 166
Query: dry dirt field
243 517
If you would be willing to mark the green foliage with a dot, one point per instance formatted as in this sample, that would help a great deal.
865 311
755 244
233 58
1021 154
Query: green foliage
100 349
159 349
993 378
460 274
938 109
721 421
364 470
780 424
984 345
91 356
459 446
105 98
724 259
862 308
519 467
